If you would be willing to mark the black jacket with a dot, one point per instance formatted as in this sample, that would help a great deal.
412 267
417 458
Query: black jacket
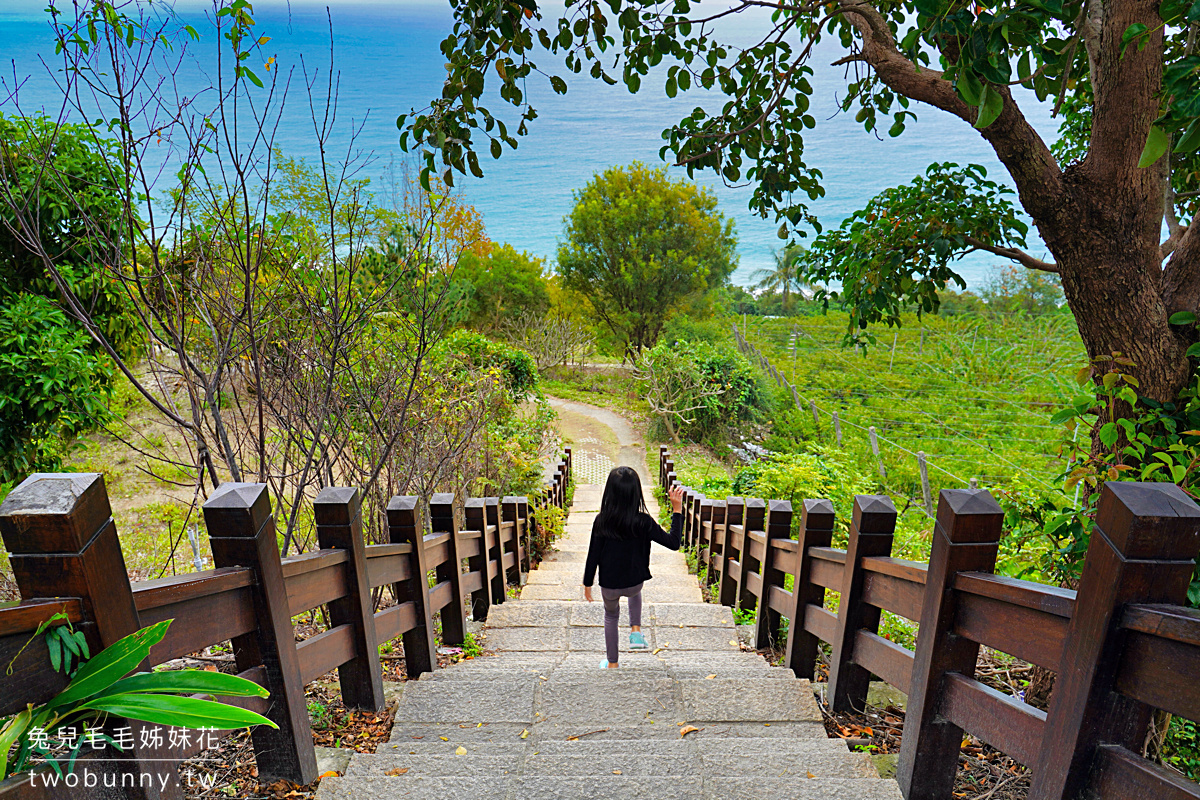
625 562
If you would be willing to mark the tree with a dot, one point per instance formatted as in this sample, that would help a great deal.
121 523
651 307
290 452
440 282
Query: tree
638 244
1123 74
54 381
785 277
506 284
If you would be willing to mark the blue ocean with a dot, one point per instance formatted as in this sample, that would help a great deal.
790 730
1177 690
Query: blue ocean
387 57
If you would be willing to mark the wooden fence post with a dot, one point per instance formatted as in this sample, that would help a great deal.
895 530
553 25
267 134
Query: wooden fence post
474 520
754 519
871 530
454 616
404 527
778 526
966 538
735 514
816 530
510 516
62 542
695 519
711 555
338 513
491 516
926 492
662 465
568 458
241 531
701 540
816 417
1142 550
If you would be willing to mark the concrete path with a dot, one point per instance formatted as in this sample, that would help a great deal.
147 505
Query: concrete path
695 716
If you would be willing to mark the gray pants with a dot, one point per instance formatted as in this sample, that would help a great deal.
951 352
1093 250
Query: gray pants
612 615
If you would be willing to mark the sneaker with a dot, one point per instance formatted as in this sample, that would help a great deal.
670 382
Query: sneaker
604 662
637 641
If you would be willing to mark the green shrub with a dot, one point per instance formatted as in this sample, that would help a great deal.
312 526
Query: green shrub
517 367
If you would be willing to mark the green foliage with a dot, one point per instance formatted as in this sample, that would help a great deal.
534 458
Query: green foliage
550 523
1014 289
898 250
471 648
785 277
1181 748
102 686
504 284
476 351
820 473
639 245
700 389
1151 441
66 177
55 380
52 385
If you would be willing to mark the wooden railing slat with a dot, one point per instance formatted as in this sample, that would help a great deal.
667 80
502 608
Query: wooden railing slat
1001 720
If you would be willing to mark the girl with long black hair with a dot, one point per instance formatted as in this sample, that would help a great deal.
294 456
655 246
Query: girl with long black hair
620 549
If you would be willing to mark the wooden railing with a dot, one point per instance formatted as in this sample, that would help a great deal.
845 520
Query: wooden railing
66 557
1121 646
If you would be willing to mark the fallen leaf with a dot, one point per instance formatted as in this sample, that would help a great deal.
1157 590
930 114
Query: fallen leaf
444 738
480 725
461 751
525 733
710 677
811 775
733 642
396 771
333 773
657 650
616 772
684 731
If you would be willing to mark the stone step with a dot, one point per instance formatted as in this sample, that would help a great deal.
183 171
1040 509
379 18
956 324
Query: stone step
745 745
504 699
792 788
606 765
514 748
771 764
467 734
445 766
689 614
415 788
550 787
737 673
756 700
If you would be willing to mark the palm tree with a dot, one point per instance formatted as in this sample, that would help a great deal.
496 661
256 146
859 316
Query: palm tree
784 277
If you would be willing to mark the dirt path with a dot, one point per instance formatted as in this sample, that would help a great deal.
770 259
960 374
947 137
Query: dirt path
600 440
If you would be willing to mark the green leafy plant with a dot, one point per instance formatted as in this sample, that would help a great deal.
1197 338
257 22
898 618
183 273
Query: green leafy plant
103 686
471 648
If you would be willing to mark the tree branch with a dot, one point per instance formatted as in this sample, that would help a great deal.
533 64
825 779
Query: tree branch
1181 275
1018 146
1020 256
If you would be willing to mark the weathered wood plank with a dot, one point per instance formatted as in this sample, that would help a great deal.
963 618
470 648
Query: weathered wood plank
1001 720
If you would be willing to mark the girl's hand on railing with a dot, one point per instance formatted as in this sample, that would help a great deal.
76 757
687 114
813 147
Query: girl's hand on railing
676 496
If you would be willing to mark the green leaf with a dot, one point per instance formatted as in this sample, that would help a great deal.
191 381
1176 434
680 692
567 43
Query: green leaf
558 84
991 104
180 712
1190 139
1182 318
1194 351
111 664
1157 143
1108 434
969 86
9 734
1132 32
187 681
55 648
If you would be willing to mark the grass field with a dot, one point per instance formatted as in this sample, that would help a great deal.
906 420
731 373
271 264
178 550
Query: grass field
975 394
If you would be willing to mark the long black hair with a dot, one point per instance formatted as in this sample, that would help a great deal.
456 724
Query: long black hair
622 503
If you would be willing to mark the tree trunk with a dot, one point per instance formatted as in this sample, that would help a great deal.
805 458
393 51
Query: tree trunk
1113 284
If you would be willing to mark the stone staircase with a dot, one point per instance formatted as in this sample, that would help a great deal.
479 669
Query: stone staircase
695 716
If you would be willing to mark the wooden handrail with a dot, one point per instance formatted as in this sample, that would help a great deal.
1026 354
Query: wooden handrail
1121 645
